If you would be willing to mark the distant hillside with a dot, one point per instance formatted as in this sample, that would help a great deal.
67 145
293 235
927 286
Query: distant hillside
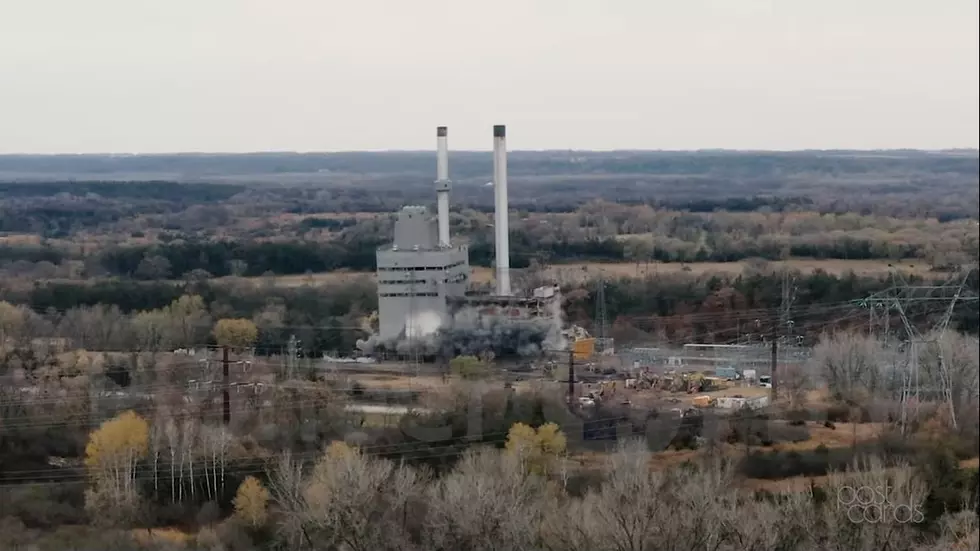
468 164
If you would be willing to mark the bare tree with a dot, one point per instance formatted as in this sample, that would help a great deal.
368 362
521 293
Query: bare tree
96 327
855 367
794 382
214 443
637 508
286 487
188 321
952 361
350 502
848 525
959 531
487 502
171 433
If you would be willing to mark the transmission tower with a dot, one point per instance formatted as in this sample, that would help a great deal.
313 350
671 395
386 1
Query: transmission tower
879 319
934 305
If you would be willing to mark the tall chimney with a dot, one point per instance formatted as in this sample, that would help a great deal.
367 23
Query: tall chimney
442 183
500 221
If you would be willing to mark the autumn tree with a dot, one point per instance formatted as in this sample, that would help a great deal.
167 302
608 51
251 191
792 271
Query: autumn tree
235 333
537 449
251 502
111 456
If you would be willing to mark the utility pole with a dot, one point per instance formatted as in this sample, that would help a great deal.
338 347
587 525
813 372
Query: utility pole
226 387
292 351
783 332
773 364
601 322
571 377
786 306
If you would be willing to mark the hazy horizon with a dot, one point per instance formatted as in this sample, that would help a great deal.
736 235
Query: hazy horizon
951 150
308 76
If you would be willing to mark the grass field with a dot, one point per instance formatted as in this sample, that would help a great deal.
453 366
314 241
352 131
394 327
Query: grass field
577 272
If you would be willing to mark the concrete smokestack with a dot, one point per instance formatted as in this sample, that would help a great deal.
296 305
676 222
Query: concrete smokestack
500 220
442 183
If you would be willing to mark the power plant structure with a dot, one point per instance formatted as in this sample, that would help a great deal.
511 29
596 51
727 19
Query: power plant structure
424 296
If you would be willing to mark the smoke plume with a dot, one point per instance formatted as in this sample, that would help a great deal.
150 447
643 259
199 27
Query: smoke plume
472 334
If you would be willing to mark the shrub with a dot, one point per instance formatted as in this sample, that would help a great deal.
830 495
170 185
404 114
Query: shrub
44 506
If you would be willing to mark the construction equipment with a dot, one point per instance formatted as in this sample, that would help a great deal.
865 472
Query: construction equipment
703 401
716 383
694 383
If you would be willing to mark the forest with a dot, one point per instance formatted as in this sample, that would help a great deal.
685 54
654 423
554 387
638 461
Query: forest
179 365
329 318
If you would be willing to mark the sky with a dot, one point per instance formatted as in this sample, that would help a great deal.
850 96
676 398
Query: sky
149 76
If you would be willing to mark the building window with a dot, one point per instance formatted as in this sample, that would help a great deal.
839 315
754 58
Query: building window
419 268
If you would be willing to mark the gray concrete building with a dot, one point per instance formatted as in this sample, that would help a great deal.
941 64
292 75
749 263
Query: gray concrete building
416 276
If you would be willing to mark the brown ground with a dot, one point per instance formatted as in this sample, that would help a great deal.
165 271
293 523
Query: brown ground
396 382
311 279
842 436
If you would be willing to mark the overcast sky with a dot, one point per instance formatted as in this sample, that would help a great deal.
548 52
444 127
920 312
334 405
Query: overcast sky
325 75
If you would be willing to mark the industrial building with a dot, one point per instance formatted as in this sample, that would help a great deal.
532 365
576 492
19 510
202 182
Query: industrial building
417 274
424 277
